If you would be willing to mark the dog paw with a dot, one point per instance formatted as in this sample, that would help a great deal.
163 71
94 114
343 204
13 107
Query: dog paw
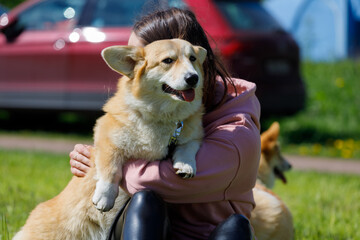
185 170
105 195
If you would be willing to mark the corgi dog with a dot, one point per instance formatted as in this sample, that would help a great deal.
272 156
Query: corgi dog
271 218
159 94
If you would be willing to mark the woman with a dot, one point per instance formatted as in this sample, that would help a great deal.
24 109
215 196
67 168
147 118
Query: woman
218 201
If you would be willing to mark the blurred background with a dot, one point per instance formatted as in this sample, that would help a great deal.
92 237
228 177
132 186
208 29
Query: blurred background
302 54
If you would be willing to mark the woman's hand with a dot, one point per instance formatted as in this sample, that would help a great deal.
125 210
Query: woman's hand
80 160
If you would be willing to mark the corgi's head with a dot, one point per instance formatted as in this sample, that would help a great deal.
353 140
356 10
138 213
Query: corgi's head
166 74
272 163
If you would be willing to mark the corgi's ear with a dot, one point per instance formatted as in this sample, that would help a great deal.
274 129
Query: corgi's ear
123 59
270 136
274 130
201 53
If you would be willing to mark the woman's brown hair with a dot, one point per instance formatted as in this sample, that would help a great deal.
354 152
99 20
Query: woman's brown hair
180 23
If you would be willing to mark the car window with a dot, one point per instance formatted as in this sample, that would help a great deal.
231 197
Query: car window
116 13
247 15
48 14
112 13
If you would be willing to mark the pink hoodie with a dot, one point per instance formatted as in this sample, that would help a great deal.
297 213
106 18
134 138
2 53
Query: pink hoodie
227 164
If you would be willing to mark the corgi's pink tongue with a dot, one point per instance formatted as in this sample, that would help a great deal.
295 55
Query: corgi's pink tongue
188 95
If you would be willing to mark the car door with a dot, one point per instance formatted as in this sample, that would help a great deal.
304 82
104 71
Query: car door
33 65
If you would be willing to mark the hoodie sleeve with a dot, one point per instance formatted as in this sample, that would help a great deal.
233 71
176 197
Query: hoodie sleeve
220 173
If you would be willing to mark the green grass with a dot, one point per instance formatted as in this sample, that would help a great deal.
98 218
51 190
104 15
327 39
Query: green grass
26 179
324 206
329 125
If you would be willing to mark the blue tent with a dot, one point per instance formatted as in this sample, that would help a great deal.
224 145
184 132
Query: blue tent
326 30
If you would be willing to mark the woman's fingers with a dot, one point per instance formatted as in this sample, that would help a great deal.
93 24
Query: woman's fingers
77 172
79 166
81 153
83 149
80 160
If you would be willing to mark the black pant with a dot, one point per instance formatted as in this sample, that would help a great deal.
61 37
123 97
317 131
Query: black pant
144 217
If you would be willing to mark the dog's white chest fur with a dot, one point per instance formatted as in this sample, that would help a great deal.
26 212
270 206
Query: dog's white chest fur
147 141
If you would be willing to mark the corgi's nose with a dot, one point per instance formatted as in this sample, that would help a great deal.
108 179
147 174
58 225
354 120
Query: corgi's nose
191 79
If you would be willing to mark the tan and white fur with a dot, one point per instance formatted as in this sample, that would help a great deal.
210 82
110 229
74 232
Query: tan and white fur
271 218
153 95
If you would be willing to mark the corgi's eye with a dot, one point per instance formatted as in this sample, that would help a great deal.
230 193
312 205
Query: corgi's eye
167 60
192 58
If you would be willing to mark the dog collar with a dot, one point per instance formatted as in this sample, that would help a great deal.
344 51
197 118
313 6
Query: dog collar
174 138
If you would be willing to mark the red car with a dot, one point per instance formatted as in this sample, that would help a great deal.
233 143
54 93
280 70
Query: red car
50 51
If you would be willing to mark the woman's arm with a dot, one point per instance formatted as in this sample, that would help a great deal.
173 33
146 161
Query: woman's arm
227 163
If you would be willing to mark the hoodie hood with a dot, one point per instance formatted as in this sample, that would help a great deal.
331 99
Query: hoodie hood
236 107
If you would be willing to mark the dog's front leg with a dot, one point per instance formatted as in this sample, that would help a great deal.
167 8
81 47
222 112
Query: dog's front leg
184 159
109 173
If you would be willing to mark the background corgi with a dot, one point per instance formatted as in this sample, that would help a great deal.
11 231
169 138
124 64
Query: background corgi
271 219
162 85
272 163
